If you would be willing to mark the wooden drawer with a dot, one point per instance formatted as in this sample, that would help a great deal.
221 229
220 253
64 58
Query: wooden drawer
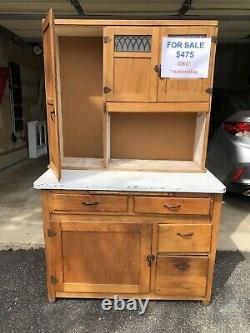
89 203
184 237
166 205
181 276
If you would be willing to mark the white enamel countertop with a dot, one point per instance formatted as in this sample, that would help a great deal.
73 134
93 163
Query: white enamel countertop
109 180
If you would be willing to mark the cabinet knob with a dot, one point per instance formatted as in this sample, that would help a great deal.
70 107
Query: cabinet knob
186 236
106 90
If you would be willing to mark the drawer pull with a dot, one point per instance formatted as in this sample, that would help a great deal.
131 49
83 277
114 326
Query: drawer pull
172 207
186 236
90 203
182 267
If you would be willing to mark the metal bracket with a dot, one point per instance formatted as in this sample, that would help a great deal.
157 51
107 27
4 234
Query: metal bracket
214 39
106 39
53 279
209 91
51 233
106 90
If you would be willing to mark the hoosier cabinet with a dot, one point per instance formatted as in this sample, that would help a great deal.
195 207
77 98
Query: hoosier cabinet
129 208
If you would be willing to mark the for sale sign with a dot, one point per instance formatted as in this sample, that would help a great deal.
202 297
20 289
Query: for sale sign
185 57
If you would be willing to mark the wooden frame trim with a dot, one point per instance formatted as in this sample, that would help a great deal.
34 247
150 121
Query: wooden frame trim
82 163
99 22
157 107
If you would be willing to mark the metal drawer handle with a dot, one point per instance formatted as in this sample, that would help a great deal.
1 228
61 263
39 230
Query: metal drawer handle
90 203
182 267
172 207
186 236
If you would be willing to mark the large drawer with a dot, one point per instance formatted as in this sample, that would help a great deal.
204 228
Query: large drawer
166 205
184 237
89 203
181 276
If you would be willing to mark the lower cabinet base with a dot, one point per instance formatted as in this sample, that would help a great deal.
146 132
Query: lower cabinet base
94 253
152 297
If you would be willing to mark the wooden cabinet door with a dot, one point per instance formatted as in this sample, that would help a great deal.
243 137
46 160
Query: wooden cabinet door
187 90
49 50
101 257
130 55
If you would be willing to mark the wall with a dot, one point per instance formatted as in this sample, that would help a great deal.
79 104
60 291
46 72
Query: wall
31 68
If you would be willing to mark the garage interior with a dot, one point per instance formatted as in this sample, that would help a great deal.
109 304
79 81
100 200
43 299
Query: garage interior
21 45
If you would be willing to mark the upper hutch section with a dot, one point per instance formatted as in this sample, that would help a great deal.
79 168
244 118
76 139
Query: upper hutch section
108 105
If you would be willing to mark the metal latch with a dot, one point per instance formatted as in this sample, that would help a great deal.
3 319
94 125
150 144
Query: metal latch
157 69
150 259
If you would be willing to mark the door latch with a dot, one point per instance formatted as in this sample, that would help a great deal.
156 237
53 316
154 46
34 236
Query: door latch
150 259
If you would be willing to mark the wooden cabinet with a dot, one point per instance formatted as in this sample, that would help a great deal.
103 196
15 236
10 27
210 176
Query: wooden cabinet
126 252
108 106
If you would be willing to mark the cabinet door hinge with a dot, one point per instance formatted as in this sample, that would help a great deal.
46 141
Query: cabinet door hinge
106 90
53 279
51 233
150 259
106 39
209 91
214 39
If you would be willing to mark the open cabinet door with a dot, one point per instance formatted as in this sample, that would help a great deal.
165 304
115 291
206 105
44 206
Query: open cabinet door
49 50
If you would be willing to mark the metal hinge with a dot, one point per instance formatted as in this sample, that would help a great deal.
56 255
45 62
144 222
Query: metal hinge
150 259
106 90
53 279
209 91
106 39
214 39
51 233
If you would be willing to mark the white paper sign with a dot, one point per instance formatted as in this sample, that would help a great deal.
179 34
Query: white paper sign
185 57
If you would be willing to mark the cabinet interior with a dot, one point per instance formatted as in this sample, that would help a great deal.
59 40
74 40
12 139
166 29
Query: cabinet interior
90 138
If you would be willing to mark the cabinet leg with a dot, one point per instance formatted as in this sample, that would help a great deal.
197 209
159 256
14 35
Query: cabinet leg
51 299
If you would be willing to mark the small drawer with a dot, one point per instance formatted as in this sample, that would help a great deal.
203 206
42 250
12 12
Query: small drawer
184 237
181 276
166 205
90 203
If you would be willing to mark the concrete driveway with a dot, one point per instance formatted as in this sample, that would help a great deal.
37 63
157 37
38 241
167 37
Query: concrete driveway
24 307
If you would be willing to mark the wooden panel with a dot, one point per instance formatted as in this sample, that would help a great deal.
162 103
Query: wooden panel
156 107
106 257
90 203
130 75
172 89
49 50
184 238
71 23
153 136
181 276
165 205
81 94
